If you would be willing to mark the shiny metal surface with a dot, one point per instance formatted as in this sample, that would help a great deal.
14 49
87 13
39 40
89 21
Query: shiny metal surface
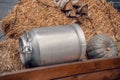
52 45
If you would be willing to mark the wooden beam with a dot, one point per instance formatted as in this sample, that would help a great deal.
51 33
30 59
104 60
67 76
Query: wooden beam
62 70
101 75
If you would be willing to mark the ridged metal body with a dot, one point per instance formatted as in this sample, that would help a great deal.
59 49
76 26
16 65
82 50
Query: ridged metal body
52 45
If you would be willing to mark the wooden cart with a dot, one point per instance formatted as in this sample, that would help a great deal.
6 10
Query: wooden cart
98 69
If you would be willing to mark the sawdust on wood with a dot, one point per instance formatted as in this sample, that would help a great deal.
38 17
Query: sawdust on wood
102 19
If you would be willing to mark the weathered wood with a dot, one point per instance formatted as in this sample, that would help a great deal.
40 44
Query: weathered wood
102 75
62 70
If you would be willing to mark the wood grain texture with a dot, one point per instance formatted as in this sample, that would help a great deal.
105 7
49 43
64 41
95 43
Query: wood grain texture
63 70
101 75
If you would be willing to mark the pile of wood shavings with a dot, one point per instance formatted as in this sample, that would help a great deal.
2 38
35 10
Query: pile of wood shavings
9 57
28 14
102 19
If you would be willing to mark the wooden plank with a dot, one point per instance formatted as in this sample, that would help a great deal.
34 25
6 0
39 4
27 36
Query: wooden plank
102 75
62 70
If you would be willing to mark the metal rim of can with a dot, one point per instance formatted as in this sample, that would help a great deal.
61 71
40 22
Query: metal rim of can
82 41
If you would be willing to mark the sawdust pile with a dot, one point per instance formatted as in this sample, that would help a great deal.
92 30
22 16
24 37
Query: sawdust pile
102 18
9 57
29 14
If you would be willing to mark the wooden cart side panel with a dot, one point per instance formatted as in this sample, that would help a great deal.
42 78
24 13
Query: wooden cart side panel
101 75
63 70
